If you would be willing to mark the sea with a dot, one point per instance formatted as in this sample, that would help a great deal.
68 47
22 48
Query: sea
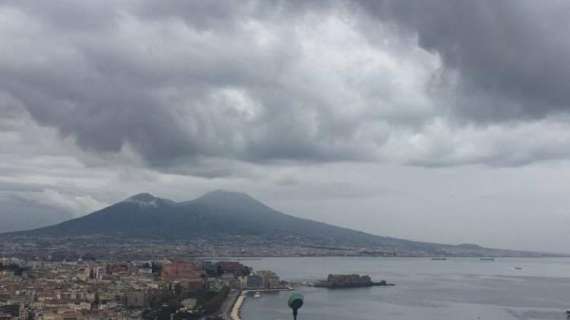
454 289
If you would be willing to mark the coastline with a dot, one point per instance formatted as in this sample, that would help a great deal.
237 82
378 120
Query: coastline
236 308
238 303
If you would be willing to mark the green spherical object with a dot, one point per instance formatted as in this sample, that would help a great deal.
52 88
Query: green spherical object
295 301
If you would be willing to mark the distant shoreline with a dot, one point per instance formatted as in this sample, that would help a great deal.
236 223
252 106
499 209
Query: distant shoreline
366 256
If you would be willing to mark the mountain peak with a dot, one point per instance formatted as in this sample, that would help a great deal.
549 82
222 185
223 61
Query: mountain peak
224 197
145 199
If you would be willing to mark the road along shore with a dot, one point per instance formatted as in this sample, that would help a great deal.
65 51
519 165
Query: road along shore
236 309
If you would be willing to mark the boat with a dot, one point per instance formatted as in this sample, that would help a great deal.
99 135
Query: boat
257 295
487 259
439 258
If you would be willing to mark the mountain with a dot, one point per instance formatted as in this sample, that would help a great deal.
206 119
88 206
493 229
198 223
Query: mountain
222 215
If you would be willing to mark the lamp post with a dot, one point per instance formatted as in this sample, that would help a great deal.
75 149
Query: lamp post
295 303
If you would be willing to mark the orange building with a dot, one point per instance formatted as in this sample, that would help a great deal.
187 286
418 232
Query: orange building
181 270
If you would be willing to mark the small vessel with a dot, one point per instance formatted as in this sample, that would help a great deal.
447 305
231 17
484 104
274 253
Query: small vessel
487 259
518 268
257 295
439 258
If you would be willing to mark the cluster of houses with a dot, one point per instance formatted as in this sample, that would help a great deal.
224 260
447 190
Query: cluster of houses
215 275
117 290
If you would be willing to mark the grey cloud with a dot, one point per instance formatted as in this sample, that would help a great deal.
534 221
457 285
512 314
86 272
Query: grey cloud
69 15
182 82
205 15
512 57
20 187
158 84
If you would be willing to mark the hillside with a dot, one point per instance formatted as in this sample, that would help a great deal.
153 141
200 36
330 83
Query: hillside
222 215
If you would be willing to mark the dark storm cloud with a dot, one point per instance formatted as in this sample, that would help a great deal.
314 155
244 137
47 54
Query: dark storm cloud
512 57
183 81
89 87
163 80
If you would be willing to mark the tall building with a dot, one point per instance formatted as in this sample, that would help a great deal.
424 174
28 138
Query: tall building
270 279
254 282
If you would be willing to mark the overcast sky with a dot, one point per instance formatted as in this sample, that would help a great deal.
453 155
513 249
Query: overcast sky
444 121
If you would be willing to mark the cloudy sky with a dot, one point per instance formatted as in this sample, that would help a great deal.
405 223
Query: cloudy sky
433 120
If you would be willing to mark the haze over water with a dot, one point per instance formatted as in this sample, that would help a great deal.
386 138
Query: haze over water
459 288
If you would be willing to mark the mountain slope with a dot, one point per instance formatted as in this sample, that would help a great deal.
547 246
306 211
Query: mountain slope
222 215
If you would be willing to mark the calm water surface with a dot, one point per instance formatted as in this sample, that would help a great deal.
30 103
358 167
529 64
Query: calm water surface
458 288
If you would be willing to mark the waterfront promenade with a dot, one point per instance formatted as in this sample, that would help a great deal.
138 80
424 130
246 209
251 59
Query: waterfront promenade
235 313
227 306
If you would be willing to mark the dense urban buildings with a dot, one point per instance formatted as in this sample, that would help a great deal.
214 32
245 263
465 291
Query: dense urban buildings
164 289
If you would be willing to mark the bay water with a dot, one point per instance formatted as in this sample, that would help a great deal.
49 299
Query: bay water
456 288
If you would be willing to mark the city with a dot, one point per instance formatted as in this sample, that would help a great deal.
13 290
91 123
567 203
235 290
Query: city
164 289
